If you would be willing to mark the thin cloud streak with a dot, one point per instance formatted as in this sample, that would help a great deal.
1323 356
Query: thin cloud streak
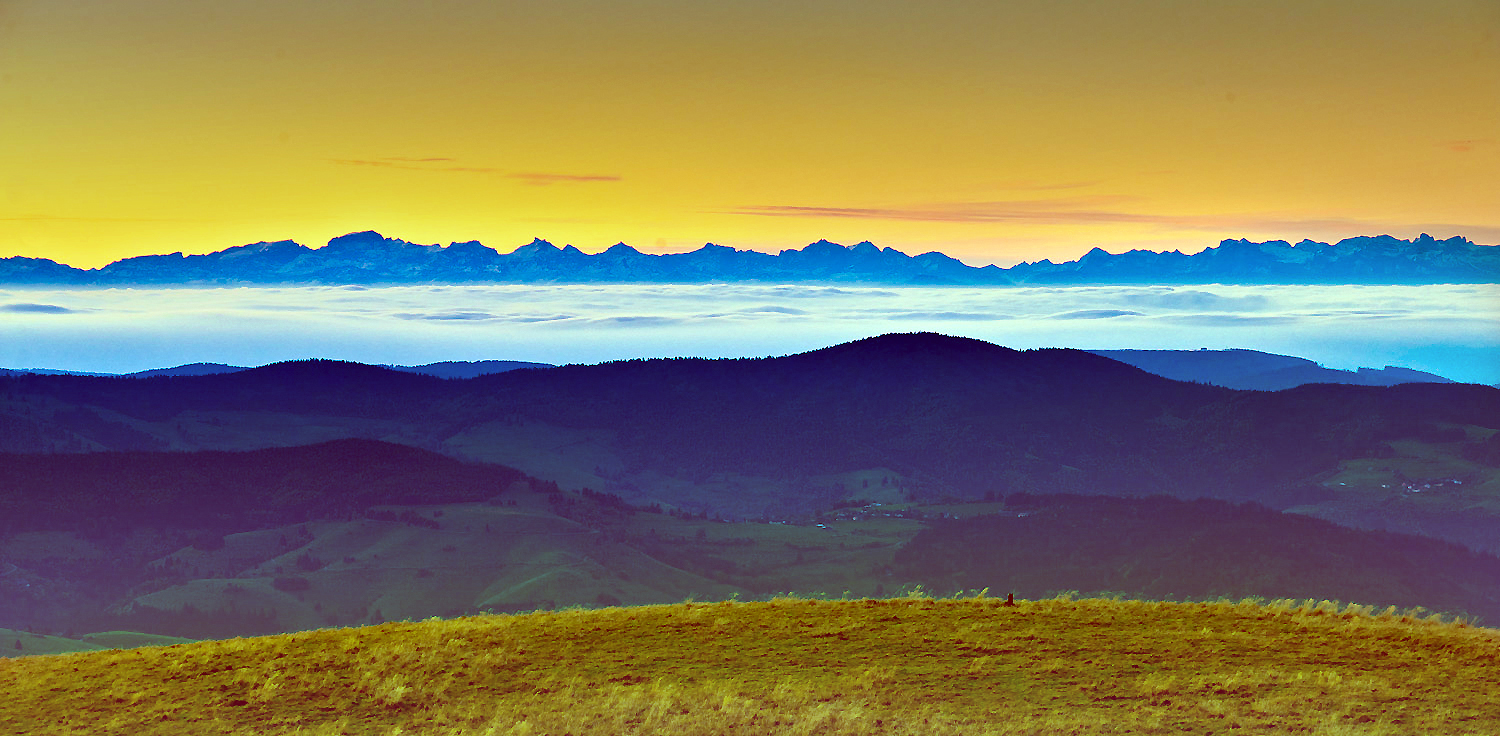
30 308
1031 186
1046 211
1465 146
545 179
65 218
533 178
1086 211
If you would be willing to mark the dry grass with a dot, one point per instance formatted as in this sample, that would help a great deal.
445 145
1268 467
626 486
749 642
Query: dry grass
904 666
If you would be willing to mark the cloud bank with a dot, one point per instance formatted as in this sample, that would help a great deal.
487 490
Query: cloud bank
1447 330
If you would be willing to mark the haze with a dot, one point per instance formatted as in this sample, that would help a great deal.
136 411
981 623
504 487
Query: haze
1448 330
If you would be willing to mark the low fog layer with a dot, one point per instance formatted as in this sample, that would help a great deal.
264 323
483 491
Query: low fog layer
1448 330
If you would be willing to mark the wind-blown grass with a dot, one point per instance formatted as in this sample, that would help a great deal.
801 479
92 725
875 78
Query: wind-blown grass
900 666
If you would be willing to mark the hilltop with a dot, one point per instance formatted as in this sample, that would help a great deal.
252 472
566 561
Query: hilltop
371 258
902 666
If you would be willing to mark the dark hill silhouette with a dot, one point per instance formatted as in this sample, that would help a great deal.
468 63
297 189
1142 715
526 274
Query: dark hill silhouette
978 417
190 369
300 387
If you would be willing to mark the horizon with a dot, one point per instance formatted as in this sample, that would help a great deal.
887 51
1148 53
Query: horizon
991 133
596 250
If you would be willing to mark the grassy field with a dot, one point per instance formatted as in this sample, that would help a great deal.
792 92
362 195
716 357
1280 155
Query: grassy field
896 666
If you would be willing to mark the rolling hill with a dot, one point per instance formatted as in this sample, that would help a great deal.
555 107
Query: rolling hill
767 438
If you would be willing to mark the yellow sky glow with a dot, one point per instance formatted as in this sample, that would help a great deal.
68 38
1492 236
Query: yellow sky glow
995 132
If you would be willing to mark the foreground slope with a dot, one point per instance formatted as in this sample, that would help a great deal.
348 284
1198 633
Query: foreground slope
903 666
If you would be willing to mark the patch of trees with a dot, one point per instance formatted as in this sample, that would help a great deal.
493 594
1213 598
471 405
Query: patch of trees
592 508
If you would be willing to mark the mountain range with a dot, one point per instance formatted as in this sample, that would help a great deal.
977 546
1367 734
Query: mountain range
370 258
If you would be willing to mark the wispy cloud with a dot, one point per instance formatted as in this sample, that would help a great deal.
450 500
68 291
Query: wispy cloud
369 162
442 163
67 218
1097 314
1034 186
638 321
1196 300
1106 210
950 316
1467 145
451 315
409 164
1057 210
544 179
35 308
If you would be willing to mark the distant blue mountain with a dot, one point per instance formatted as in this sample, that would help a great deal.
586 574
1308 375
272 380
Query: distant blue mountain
370 258
445 369
1258 371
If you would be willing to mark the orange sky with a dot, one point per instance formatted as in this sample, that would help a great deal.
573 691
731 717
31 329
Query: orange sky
993 131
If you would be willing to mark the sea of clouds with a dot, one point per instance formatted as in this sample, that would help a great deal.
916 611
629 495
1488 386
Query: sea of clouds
1449 330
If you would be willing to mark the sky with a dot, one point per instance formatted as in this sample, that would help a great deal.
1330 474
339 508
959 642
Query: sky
993 131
